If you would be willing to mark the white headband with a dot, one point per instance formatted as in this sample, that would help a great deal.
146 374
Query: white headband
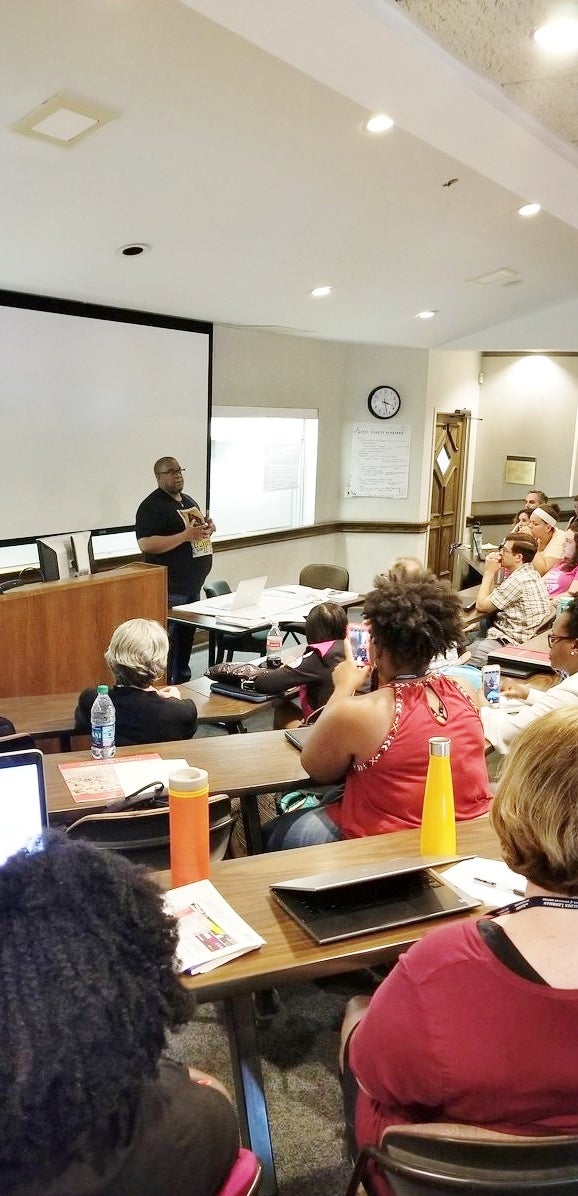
542 514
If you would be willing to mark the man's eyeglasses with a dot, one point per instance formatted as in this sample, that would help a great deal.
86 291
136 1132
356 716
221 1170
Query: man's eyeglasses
555 639
174 472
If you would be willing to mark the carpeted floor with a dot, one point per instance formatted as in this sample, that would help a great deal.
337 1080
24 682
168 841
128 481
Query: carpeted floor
299 1050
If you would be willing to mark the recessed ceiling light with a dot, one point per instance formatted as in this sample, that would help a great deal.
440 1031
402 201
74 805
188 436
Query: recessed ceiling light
135 249
64 119
378 124
529 209
559 36
320 292
425 315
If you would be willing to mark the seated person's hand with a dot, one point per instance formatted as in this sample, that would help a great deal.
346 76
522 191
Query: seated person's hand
514 689
168 691
347 676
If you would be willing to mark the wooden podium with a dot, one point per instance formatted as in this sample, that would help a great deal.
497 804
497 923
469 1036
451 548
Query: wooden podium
53 635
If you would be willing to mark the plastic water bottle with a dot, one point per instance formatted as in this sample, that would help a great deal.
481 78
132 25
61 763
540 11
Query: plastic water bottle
102 720
274 642
438 820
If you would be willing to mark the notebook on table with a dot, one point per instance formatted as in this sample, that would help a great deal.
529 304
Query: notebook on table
22 801
364 899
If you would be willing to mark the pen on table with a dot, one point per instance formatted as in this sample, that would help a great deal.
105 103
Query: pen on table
493 884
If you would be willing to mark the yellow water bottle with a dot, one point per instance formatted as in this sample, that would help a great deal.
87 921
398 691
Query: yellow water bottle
438 820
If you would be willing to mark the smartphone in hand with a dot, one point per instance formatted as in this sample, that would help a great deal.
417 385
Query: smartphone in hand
358 636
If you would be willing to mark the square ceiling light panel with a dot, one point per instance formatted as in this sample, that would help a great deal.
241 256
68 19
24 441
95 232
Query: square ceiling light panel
64 120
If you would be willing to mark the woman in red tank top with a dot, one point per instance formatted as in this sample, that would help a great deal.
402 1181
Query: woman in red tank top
379 740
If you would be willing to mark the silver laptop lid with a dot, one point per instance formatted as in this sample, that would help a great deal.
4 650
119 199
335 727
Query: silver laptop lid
248 593
320 882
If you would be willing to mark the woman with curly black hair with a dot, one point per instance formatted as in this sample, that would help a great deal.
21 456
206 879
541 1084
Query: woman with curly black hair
380 740
88 990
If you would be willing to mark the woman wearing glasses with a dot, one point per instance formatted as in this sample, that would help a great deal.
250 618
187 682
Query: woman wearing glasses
501 727
172 531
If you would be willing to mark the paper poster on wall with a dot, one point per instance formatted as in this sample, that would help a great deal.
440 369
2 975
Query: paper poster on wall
281 466
379 461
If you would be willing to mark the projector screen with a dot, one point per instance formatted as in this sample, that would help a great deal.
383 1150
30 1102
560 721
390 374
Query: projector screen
90 397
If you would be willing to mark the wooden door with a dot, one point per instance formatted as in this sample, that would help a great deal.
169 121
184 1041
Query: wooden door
451 436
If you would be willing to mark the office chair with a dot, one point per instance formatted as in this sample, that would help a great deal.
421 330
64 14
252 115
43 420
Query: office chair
319 577
230 642
418 1160
143 835
15 742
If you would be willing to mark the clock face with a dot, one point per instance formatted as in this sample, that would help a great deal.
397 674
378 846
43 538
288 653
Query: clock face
384 402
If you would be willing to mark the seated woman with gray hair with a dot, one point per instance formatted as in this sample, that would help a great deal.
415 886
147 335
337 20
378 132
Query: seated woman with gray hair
137 656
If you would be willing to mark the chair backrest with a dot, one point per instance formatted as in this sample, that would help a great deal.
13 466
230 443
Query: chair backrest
143 835
244 1178
15 742
213 589
324 577
420 1160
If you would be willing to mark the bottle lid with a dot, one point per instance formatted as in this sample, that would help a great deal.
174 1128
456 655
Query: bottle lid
102 689
439 746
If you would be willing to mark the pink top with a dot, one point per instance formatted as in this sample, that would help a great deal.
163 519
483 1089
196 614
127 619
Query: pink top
385 793
454 1035
557 580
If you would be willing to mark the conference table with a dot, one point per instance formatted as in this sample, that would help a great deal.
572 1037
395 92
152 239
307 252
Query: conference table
281 604
522 660
290 956
51 716
241 765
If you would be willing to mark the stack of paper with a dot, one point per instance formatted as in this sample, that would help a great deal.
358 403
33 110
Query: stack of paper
210 932
490 881
109 780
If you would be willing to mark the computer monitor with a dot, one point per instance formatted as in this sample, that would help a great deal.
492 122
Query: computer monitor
65 556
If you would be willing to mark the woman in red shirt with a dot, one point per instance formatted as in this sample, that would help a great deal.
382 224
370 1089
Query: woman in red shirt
476 1023
380 740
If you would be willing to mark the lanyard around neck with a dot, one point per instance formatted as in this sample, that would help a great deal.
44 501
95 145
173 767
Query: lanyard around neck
533 902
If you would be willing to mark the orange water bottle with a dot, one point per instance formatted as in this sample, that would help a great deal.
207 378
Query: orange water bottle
438 820
189 825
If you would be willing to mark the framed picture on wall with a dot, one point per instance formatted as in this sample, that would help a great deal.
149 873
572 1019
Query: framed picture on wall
520 471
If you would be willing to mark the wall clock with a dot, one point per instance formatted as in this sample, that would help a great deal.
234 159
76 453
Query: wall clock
384 402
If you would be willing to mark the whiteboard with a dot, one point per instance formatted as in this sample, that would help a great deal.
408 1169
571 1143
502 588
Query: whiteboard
88 403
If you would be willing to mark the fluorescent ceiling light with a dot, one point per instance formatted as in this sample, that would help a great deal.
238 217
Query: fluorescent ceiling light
425 315
321 292
503 275
378 124
529 209
559 36
64 120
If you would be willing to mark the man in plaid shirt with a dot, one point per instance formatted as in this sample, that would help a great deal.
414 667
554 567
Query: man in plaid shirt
520 603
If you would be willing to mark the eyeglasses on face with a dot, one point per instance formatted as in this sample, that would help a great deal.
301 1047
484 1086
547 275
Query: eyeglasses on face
555 639
174 472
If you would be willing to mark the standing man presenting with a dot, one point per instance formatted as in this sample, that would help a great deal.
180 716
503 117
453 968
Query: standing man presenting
171 531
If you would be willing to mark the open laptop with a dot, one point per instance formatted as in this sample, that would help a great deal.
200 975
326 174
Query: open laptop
367 898
22 801
248 593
